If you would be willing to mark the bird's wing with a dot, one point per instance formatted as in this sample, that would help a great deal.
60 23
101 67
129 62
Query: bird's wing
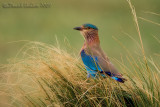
103 61
90 62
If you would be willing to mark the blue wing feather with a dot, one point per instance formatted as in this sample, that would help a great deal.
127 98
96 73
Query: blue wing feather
89 61
92 67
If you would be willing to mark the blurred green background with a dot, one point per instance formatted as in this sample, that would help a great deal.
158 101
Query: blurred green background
112 17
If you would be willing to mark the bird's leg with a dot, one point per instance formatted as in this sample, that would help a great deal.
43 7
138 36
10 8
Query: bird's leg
88 76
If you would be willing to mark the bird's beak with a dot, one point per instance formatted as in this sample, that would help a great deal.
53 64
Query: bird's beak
77 28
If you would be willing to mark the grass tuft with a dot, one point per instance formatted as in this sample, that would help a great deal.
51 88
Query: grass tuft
49 76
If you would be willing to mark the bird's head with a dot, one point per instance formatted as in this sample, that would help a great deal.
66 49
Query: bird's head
86 27
89 31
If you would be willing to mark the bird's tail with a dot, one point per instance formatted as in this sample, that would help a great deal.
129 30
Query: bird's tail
119 79
113 76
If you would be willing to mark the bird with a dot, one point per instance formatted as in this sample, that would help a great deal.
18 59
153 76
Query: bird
94 58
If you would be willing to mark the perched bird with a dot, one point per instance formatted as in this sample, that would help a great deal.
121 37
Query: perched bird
95 60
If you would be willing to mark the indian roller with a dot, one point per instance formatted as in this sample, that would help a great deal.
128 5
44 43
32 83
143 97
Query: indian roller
95 60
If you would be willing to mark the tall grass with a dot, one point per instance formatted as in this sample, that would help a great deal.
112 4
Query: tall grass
49 76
